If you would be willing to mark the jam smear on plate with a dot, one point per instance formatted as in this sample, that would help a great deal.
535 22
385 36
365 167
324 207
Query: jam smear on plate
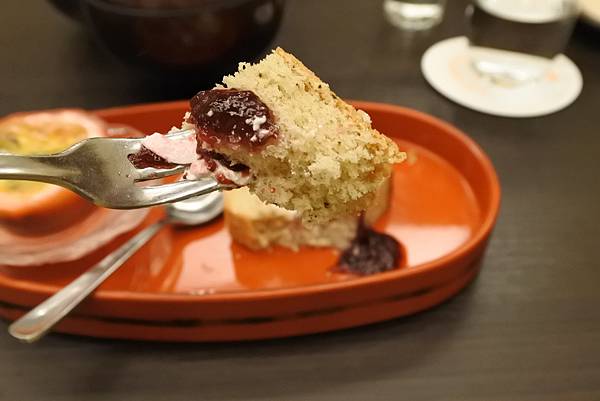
232 117
370 252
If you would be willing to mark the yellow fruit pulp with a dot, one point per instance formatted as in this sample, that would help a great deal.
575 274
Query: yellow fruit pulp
20 138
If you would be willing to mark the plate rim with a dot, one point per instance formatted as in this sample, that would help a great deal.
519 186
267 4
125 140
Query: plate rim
463 251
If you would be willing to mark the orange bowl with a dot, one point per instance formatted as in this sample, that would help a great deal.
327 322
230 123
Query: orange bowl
198 285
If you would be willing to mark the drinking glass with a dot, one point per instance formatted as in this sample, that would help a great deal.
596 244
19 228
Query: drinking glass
414 14
513 42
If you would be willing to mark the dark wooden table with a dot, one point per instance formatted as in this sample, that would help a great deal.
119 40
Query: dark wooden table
527 329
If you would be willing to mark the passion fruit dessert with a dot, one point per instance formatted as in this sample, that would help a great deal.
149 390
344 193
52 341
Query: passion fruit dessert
34 208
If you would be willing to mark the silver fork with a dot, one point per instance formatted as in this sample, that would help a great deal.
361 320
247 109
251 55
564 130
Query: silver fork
99 169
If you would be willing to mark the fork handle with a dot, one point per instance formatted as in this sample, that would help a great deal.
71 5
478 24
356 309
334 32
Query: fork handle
34 324
34 168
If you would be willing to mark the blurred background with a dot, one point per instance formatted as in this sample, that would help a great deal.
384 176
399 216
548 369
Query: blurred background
113 52
105 53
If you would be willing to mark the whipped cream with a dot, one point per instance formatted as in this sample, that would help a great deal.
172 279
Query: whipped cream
182 150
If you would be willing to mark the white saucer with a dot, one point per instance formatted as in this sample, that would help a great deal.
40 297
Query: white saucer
447 68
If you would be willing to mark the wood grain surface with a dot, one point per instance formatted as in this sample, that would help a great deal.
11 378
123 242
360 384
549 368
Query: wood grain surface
528 329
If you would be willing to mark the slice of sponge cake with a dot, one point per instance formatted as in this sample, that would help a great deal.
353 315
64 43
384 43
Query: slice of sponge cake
258 225
327 160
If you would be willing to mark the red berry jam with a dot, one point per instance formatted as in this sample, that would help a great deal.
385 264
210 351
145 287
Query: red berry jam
369 253
212 157
147 158
232 117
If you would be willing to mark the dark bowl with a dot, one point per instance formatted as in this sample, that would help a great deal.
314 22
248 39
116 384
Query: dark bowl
70 8
184 38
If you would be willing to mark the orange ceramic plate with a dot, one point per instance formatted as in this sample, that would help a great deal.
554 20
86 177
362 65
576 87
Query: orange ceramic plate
196 285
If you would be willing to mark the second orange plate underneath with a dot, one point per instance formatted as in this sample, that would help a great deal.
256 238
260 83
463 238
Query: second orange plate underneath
197 285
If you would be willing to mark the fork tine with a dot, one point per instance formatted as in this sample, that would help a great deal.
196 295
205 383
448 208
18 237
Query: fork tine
125 145
151 173
177 191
